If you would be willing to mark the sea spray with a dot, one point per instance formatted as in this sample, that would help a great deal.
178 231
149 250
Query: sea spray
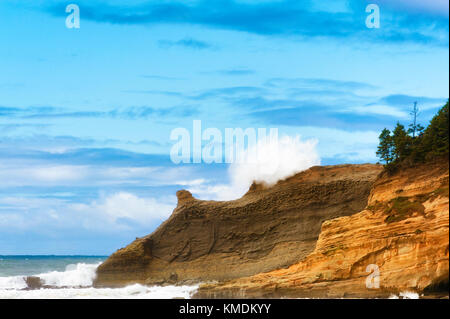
76 283
79 275
130 292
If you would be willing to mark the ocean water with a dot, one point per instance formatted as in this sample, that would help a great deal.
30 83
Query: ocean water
71 277
33 265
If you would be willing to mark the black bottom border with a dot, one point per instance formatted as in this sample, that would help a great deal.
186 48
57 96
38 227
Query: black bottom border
225 308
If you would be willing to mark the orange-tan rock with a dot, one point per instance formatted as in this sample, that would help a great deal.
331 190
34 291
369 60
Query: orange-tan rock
403 232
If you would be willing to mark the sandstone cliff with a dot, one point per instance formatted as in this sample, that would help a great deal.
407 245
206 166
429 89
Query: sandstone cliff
404 231
268 228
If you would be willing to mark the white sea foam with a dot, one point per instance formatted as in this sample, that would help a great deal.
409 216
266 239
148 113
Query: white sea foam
83 275
409 295
130 292
406 295
12 282
77 275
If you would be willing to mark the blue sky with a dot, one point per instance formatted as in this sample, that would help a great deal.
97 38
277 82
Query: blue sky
86 114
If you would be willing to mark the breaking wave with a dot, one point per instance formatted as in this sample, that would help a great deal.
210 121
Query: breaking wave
79 275
76 283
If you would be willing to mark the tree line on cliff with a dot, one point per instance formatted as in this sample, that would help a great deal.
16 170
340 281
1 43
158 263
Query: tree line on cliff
416 144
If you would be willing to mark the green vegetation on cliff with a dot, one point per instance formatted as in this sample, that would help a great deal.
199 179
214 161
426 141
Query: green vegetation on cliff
415 145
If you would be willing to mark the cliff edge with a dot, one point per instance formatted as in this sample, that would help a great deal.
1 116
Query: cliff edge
268 228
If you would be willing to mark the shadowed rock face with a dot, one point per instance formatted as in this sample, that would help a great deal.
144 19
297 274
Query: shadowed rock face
268 228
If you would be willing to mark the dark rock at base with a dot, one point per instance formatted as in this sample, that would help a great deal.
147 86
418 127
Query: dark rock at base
34 282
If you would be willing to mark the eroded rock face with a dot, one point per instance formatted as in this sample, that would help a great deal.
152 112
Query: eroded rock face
404 231
266 229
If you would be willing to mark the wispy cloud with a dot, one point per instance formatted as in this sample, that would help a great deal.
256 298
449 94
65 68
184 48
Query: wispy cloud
318 83
436 7
287 88
403 100
10 127
227 92
29 173
312 116
161 77
69 150
187 43
321 102
233 72
158 92
135 112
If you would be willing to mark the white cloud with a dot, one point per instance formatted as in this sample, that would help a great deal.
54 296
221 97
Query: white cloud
23 213
127 205
194 182
105 213
56 173
275 160
29 173
381 110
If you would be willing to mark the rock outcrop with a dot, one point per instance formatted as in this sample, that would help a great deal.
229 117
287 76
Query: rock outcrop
403 234
33 283
268 228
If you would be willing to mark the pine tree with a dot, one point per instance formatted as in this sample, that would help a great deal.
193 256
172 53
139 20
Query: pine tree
385 147
436 136
401 141
424 145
